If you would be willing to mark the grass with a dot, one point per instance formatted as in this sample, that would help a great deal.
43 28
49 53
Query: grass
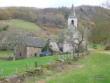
96 69
6 53
9 68
29 26
96 46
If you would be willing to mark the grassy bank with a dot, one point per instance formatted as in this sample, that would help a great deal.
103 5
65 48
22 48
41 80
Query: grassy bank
6 54
9 68
95 69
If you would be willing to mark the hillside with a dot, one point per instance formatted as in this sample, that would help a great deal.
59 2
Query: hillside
53 20
97 19
21 24
55 17
12 28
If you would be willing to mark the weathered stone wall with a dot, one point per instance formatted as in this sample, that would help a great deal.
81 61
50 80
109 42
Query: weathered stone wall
20 51
31 51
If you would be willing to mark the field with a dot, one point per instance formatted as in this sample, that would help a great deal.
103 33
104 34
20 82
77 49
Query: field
9 68
95 69
21 24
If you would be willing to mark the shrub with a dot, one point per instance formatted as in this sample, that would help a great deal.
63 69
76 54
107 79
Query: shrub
107 47
94 46
36 64
3 27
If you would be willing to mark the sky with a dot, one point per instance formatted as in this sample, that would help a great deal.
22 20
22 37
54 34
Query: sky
48 3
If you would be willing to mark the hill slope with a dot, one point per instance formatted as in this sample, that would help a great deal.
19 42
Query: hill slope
20 24
95 18
17 27
28 26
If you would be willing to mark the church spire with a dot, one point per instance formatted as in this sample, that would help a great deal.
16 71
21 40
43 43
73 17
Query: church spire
73 10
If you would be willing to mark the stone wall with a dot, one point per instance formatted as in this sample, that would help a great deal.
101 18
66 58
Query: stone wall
31 51
20 51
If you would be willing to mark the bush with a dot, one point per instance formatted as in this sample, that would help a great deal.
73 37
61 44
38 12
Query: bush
107 47
3 27
94 46
36 64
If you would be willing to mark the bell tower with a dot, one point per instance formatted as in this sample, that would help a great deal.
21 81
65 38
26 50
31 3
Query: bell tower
72 19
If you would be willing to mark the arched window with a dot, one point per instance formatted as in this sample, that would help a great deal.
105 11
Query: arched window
72 22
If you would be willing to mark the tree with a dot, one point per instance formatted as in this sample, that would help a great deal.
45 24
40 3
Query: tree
79 43
106 4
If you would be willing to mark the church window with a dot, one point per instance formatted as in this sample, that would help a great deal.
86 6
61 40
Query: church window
72 22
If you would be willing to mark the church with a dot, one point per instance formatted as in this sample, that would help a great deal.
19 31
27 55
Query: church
33 46
72 35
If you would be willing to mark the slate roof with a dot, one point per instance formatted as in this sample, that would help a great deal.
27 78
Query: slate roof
33 42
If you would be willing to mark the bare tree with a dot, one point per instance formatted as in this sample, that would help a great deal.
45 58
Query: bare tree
106 4
79 43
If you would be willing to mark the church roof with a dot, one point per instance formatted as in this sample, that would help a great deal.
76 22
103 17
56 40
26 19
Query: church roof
35 42
32 42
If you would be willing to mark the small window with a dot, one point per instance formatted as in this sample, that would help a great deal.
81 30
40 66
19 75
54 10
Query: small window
35 54
20 54
72 22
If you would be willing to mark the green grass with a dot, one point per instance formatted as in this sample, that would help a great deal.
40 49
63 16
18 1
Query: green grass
6 53
96 46
9 68
29 26
96 69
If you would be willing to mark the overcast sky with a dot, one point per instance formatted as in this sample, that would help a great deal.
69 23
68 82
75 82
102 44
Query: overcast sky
48 3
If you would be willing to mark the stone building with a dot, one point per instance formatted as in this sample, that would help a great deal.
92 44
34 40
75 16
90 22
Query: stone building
28 47
72 33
